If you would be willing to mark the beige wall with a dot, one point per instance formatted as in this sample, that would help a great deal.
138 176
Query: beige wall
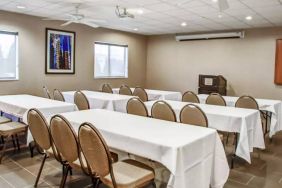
32 56
247 64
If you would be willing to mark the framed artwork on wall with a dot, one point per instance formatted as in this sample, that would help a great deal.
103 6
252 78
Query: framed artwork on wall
60 52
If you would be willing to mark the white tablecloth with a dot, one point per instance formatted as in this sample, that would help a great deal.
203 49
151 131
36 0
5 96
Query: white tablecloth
247 122
273 106
19 105
158 94
100 100
194 155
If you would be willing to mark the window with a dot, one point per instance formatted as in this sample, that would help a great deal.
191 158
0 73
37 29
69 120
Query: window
8 55
111 60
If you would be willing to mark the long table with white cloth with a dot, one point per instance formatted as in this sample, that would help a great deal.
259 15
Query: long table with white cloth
247 122
194 155
158 94
100 100
19 105
272 106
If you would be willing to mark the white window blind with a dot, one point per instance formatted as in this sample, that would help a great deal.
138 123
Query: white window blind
111 60
8 55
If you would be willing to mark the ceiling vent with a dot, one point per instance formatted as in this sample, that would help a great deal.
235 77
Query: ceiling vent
208 36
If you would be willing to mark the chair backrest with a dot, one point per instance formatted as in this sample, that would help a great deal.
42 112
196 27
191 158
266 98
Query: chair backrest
190 96
46 92
136 106
39 129
247 102
95 150
64 138
215 99
81 101
57 95
193 115
106 88
141 93
125 90
162 110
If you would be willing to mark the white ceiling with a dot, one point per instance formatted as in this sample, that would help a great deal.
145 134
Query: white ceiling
161 16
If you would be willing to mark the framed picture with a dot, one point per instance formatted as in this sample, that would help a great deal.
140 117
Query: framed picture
60 52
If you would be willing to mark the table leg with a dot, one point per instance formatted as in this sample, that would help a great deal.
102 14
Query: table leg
234 155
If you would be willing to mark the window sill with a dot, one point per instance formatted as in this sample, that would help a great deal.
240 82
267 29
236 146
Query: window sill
8 79
114 77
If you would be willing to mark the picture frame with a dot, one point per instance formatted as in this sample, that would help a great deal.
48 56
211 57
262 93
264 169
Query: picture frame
60 52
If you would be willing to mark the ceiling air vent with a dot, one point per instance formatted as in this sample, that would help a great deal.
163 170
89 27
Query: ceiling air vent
208 36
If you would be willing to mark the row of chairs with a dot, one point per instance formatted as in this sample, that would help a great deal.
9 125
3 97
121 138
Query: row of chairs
57 94
190 114
125 90
86 151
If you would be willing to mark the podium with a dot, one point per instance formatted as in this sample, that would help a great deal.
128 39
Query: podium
212 84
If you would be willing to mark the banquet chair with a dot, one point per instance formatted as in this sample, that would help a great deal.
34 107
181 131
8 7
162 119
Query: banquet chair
65 140
3 120
81 101
141 93
8 131
125 90
215 99
193 115
57 95
136 106
162 110
46 92
122 174
40 132
247 102
106 88
190 96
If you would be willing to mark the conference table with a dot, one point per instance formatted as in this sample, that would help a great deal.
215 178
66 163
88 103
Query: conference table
19 105
273 107
194 155
100 100
158 94
247 122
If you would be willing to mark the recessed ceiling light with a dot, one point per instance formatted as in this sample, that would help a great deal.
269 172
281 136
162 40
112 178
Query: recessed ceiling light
248 17
135 29
215 1
21 6
140 11
183 24
219 16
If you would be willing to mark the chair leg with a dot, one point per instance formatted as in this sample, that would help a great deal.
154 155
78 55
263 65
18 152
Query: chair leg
227 138
154 184
40 170
31 146
97 183
64 178
94 182
14 143
18 144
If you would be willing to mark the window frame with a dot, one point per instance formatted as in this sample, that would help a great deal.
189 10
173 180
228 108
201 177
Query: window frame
109 57
17 56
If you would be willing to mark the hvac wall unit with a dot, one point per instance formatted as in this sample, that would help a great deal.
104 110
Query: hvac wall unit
207 36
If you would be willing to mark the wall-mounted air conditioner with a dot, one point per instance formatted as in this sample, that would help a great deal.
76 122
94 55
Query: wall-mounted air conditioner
206 36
